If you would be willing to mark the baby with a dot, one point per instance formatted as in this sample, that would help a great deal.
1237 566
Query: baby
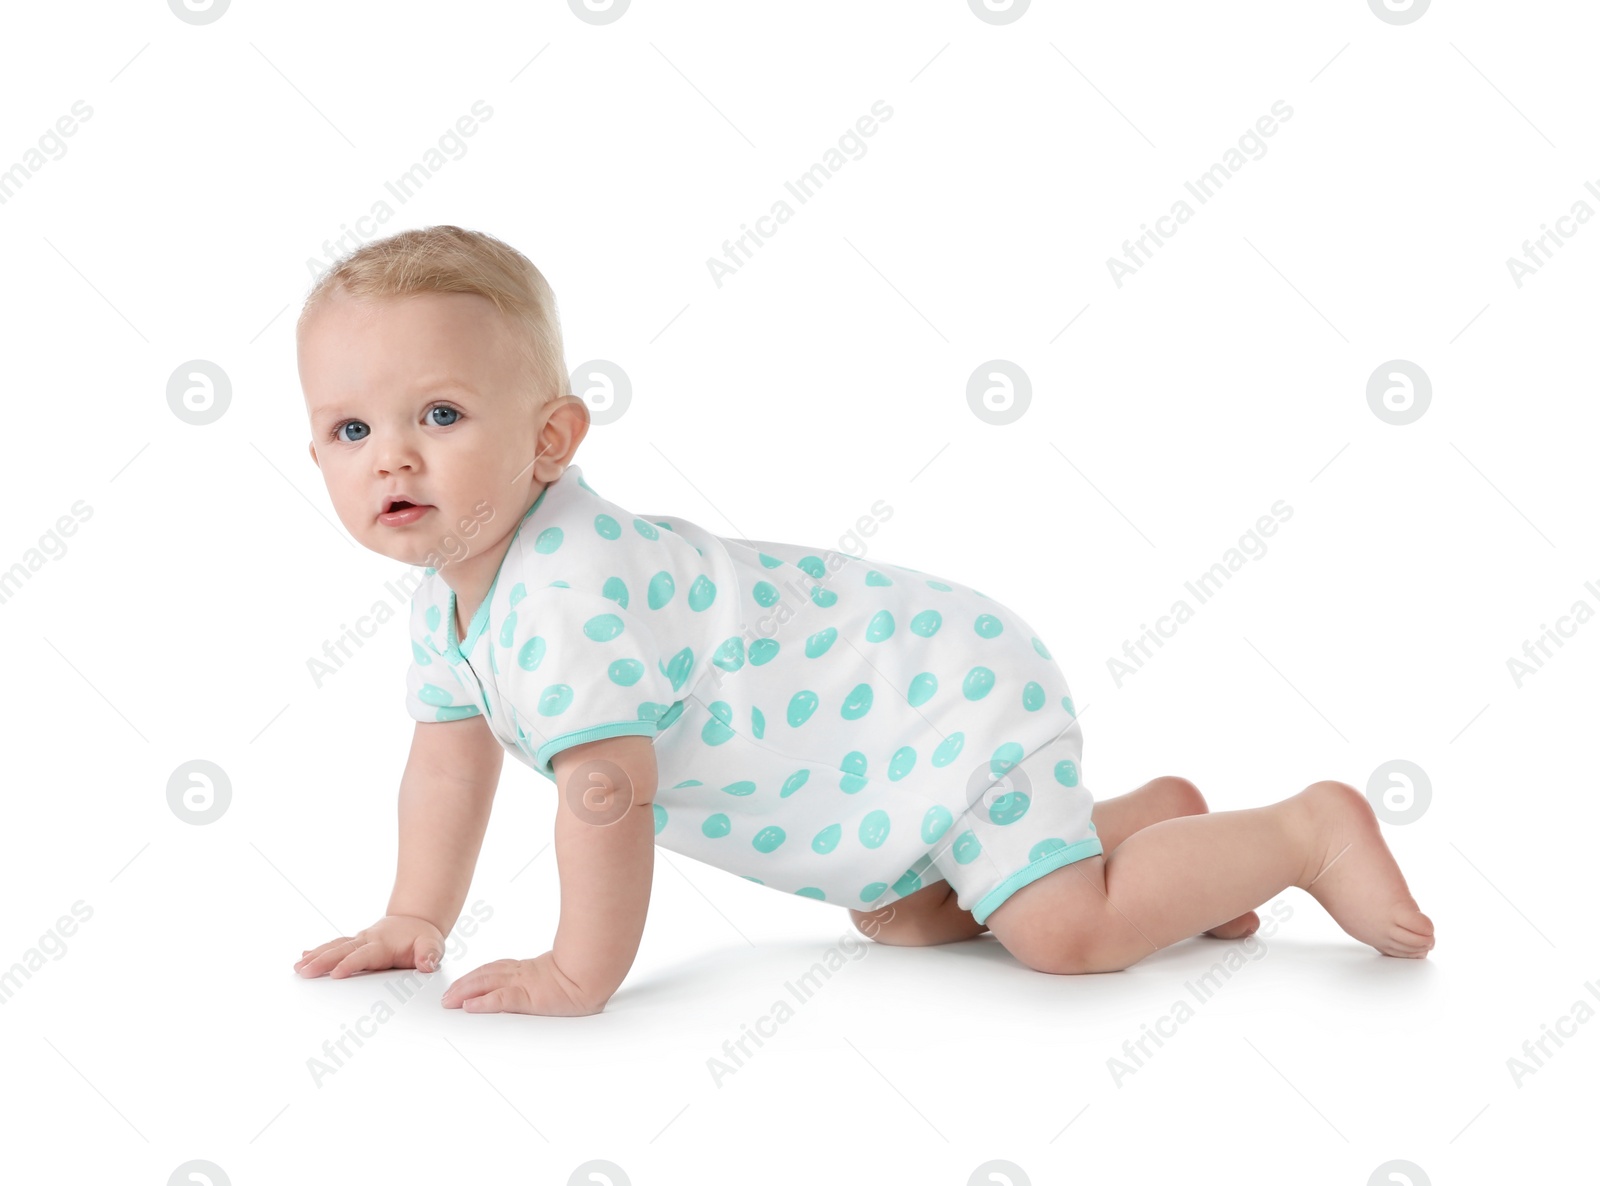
847 730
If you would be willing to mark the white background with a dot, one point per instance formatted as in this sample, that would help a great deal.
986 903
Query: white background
220 164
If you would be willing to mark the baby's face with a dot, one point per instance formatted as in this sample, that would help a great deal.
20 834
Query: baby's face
419 397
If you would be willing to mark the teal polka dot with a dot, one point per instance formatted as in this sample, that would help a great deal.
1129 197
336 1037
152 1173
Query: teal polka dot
660 814
434 695
987 626
651 711
1045 847
1007 756
826 840
1067 772
603 627
549 540
1008 808
741 788
858 703
801 705
874 577
678 670
431 617
854 765
966 848
667 526
555 700
1039 646
508 630
922 688
518 592
811 891
907 882
665 714
936 823
763 650
948 749
793 783
531 654
768 838
819 642
881 626
455 714
823 597
1066 703
758 723
421 656
978 684
702 593
716 826
874 891
625 672
769 561
661 590
1032 697
874 829
607 527
717 730
764 593
939 585
813 566
900 765
615 589
730 655
927 623
645 529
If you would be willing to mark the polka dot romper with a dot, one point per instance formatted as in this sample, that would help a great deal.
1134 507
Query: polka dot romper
824 724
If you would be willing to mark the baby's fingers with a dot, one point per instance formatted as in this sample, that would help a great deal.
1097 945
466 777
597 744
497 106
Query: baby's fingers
319 959
368 957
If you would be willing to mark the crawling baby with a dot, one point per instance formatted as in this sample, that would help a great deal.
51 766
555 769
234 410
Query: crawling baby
823 724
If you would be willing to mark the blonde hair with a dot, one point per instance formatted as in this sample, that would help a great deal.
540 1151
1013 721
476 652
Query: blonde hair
449 259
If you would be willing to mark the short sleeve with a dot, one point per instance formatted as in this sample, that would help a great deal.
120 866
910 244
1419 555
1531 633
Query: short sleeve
435 689
579 667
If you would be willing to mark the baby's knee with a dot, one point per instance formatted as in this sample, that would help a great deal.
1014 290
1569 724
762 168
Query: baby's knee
1086 941
1180 796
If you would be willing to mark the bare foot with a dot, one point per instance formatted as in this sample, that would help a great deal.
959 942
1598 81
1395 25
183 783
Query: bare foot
1350 870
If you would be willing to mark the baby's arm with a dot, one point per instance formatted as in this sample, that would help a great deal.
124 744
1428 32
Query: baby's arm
605 856
445 795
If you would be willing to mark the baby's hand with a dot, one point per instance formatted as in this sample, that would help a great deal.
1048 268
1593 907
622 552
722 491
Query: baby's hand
394 941
520 986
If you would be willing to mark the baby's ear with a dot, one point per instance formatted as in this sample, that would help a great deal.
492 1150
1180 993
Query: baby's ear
312 446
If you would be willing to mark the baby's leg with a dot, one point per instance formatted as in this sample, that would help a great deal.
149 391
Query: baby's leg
1167 881
931 915
1161 798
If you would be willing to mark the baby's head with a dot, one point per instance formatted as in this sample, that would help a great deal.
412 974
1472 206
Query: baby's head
432 368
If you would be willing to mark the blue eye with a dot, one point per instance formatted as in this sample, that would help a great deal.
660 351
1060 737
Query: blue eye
451 411
338 429
349 424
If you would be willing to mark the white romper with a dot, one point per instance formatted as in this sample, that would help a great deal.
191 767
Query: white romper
843 729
